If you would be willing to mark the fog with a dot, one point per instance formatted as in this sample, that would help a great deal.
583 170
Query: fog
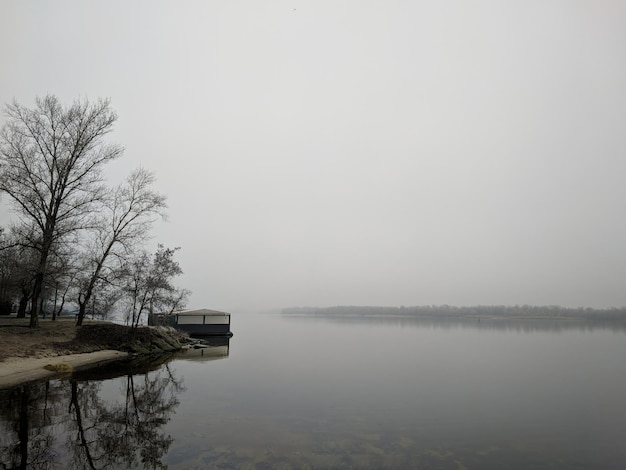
358 152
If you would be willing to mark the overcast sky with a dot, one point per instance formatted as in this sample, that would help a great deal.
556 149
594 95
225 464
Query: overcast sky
358 152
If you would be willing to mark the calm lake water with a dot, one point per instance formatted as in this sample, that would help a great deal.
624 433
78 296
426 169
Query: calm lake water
315 392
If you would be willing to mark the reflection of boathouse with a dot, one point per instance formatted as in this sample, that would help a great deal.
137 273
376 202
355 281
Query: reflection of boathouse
201 322
215 348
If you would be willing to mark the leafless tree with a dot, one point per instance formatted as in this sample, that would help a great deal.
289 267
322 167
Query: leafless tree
124 223
51 159
149 283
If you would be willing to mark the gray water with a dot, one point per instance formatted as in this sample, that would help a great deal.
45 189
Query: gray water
309 392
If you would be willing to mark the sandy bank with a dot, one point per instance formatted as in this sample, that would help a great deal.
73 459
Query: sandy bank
15 371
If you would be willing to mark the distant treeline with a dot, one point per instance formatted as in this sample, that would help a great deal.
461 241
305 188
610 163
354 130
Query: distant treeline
449 312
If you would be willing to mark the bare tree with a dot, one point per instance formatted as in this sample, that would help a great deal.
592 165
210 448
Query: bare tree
149 283
125 222
51 159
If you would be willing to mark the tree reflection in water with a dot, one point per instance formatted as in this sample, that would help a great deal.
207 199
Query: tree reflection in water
98 434
27 418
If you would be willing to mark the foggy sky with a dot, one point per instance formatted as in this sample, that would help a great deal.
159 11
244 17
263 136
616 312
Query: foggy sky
358 152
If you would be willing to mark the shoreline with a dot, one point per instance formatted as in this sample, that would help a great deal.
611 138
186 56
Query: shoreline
19 370
59 348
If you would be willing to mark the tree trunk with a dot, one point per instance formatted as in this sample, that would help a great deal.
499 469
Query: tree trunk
21 311
46 246
82 308
23 429
34 304
92 284
54 309
59 310
79 422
